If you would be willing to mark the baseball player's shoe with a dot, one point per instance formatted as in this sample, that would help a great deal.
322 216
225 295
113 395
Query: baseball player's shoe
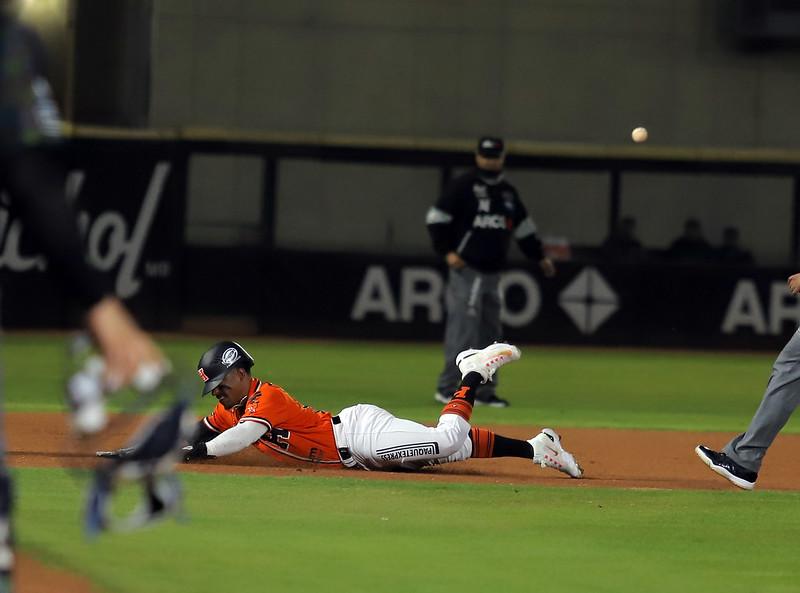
493 401
548 452
727 468
486 361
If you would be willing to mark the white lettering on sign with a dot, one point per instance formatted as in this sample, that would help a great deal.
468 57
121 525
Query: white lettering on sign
108 240
423 288
746 311
531 302
11 257
783 307
419 287
374 296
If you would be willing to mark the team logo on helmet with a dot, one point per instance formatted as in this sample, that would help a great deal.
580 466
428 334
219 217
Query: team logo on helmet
230 356
202 374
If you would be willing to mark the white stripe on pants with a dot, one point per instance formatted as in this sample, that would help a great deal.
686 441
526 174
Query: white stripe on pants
379 440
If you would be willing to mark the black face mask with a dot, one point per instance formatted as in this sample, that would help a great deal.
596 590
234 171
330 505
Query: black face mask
491 175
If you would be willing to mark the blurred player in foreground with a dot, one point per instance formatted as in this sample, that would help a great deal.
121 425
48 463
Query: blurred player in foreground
253 412
740 460
29 120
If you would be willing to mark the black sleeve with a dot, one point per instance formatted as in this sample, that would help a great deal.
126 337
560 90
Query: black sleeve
35 187
441 217
531 246
441 238
202 433
529 242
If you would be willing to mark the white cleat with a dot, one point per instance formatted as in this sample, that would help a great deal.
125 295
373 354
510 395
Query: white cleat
486 361
548 452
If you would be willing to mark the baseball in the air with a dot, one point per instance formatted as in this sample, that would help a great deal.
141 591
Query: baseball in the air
639 134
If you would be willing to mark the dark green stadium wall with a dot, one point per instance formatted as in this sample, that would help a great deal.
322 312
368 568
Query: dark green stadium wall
546 70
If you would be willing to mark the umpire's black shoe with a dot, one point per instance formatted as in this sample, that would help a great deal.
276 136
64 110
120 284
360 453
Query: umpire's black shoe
727 468
492 401
441 397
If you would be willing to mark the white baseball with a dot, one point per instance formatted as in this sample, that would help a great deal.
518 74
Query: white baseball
639 134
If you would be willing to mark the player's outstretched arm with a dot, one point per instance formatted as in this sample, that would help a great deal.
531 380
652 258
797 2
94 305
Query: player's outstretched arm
231 441
196 451
193 450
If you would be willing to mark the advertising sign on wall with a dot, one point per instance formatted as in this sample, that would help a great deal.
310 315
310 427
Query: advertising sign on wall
601 304
129 200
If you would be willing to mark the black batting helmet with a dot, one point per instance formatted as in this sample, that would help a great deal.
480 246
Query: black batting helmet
218 360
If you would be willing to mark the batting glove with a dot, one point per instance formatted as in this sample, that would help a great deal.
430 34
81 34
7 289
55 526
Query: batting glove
196 451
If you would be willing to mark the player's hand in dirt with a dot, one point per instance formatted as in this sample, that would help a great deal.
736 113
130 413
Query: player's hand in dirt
195 452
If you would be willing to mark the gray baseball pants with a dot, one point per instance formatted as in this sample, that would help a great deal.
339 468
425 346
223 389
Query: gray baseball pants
780 400
473 301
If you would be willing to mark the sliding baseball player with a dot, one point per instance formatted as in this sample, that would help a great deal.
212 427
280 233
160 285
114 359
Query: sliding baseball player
252 412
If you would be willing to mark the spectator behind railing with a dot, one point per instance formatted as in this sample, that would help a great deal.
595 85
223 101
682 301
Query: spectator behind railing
691 246
730 252
622 245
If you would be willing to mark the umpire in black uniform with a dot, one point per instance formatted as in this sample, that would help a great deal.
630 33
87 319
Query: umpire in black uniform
471 226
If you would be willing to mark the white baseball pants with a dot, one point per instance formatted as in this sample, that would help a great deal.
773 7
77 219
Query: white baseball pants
378 440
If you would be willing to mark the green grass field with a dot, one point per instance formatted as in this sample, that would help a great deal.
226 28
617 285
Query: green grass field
307 532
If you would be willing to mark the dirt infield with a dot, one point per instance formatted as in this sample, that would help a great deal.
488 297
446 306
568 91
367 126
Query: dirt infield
31 576
610 458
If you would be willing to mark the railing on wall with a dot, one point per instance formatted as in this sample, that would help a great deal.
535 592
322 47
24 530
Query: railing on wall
448 155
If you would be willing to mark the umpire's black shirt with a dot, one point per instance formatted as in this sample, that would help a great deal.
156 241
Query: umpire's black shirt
476 216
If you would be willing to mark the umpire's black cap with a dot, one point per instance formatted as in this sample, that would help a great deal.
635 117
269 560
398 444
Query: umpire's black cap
218 360
490 147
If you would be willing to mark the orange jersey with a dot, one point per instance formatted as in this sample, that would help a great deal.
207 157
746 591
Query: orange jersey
293 430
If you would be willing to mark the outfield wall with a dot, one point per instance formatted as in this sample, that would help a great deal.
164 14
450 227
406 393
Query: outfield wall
132 195
555 71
